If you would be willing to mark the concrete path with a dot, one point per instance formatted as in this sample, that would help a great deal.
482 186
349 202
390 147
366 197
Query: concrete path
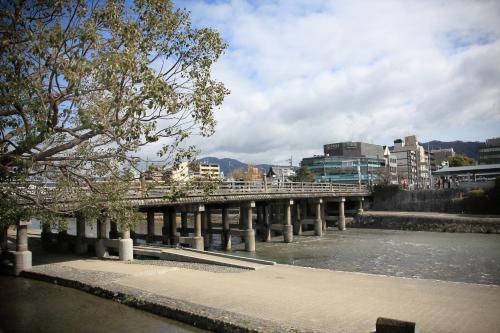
204 257
315 299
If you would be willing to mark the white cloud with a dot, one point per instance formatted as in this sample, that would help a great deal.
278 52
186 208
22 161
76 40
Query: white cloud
306 73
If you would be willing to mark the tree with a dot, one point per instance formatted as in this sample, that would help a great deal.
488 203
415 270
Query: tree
460 160
86 85
304 174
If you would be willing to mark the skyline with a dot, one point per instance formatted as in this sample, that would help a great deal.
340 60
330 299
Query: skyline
306 73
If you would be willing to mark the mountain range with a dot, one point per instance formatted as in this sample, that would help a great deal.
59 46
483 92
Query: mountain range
468 148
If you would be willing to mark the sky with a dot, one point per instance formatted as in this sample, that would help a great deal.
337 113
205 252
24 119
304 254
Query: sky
309 72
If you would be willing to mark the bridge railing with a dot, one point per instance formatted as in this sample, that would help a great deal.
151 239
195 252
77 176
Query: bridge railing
243 187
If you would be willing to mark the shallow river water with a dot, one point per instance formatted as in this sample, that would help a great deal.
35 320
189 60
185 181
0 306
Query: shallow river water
473 258
34 306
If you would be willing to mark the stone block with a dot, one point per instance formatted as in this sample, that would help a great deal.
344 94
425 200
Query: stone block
387 325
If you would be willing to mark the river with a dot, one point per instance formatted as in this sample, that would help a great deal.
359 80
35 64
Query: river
35 306
460 257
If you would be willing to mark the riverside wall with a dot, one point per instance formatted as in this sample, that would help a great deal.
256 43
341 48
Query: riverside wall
426 221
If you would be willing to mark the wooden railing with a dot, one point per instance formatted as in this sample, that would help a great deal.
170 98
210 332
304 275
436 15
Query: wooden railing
243 187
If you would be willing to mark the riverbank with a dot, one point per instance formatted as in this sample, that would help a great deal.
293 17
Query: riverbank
426 221
281 298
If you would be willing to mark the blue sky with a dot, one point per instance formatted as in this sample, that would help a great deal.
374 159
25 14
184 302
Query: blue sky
308 72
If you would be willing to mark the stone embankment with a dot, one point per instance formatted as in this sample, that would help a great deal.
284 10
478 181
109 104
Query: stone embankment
426 221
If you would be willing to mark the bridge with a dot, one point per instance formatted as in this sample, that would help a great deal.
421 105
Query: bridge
262 208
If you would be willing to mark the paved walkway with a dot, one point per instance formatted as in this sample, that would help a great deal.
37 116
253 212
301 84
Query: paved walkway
315 299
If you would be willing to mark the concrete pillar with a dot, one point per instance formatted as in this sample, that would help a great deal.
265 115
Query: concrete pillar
341 224
205 218
125 246
318 224
165 229
113 231
360 205
173 225
198 239
150 237
249 232
260 222
288 228
22 257
184 224
101 250
323 215
46 235
243 216
80 244
267 223
226 230
297 225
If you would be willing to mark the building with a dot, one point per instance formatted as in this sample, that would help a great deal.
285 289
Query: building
490 152
204 170
281 173
178 174
413 163
391 165
347 162
353 149
441 157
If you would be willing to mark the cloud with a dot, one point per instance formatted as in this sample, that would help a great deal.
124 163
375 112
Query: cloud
306 73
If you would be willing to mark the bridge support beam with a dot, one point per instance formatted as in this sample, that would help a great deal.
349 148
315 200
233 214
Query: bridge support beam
80 244
198 239
22 257
267 222
249 232
184 224
318 223
226 230
150 237
288 228
113 230
125 246
165 229
297 225
341 224
101 250
173 239
360 205
323 215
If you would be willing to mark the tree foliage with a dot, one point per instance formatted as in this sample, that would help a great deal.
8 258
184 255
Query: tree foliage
460 160
304 174
86 85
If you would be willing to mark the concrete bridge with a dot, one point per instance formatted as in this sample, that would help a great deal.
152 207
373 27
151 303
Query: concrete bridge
280 208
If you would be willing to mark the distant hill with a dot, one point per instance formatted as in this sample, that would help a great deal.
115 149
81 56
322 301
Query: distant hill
227 165
468 148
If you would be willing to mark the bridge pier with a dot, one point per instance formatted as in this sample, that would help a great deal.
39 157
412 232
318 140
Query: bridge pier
113 230
267 222
173 225
165 229
360 205
184 224
287 227
300 210
101 249
125 245
22 256
323 215
198 239
150 236
226 230
341 223
249 232
80 244
318 224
